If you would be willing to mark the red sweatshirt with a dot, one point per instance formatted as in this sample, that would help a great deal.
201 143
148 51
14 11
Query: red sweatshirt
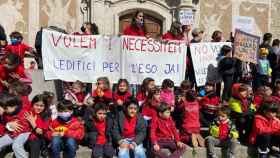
263 125
123 97
191 122
72 129
40 123
150 109
21 120
141 97
5 75
163 129
101 128
169 36
18 49
133 32
107 97
210 104
129 126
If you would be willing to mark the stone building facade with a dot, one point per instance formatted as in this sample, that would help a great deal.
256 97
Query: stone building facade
27 16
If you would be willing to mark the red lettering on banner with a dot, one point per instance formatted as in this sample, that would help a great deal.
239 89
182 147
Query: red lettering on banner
69 41
83 41
131 42
57 40
92 43
143 44
136 41
75 43
125 43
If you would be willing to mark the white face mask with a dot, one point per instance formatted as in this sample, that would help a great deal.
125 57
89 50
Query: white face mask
276 50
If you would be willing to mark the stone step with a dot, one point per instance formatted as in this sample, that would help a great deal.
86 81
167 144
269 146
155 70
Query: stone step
242 152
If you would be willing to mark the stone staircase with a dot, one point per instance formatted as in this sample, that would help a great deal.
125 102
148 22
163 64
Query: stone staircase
243 152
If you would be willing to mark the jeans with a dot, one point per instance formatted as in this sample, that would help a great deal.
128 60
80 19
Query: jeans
106 151
138 152
17 144
230 144
68 145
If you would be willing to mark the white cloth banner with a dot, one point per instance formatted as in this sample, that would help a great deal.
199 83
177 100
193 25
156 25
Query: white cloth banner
85 58
205 59
159 60
78 57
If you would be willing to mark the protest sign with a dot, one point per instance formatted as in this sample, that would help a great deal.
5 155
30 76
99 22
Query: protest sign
186 17
204 58
159 60
246 46
243 23
78 57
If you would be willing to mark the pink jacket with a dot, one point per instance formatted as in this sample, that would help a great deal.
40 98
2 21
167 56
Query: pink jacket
168 97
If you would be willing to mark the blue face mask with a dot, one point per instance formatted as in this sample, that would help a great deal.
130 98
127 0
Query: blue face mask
14 41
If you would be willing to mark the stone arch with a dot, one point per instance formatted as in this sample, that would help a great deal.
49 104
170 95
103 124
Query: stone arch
158 10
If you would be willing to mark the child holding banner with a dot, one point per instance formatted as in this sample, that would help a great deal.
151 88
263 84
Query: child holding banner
103 91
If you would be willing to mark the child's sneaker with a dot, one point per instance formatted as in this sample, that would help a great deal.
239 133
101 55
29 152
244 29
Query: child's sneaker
263 153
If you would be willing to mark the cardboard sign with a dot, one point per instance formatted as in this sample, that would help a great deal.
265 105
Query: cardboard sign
186 17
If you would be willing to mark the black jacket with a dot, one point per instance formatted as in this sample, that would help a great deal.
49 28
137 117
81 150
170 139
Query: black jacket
92 133
140 130
227 66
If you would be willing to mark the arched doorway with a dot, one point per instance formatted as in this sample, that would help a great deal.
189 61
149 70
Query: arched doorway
153 24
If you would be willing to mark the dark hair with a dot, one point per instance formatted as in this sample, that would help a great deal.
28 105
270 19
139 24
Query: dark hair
2 33
16 35
242 88
225 50
93 28
120 81
268 107
151 94
186 84
144 85
276 42
163 107
9 100
209 83
64 105
13 58
134 22
21 88
215 34
99 106
42 98
191 95
167 83
106 81
224 110
131 101
267 37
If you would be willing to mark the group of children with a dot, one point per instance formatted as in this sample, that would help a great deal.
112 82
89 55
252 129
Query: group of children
116 123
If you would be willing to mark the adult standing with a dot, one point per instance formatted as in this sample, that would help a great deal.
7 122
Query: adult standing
137 26
175 32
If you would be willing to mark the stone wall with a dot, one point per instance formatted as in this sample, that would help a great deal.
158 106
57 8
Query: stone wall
27 16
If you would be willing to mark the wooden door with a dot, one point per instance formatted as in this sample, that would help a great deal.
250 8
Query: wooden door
153 25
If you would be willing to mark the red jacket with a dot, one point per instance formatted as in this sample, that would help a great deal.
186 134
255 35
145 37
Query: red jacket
25 102
150 109
163 129
18 49
210 104
123 97
141 97
21 120
276 98
72 129
168 97
5 75
263 125
133 32
169 36
40 123
191 122
106 98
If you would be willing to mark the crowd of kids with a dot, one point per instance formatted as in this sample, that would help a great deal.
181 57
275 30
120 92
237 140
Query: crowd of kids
113 121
